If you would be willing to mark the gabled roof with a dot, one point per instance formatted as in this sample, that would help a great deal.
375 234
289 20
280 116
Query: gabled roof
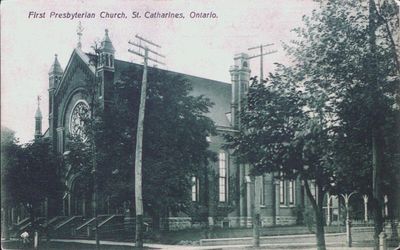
218 92
84 57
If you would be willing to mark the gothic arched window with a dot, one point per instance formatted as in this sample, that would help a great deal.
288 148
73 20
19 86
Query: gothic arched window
79 116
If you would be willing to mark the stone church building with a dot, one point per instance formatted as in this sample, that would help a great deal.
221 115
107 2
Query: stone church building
278 199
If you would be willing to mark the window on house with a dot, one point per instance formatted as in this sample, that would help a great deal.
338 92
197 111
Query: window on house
291 192
229 116
282 192
222 177
263 191
102 59
100 85
386 201
195 188
107 61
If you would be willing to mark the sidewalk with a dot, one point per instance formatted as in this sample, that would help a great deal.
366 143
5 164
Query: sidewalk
304 246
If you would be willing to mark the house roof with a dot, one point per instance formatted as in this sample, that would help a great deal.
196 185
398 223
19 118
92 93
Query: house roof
218 92
55 67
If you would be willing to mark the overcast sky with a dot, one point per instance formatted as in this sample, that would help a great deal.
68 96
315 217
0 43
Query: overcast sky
200 47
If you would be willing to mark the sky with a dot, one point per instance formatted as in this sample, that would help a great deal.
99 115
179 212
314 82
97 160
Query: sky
202 47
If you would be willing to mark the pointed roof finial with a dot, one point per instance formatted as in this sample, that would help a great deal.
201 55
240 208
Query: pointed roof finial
56 67
106 44
38 113
79 31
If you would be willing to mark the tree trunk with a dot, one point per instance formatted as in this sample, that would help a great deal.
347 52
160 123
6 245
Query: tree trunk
320 232
377 196
394 238
377 144
319 216
156 221
5 223
211 198
206 194
32 217
95 197
255 213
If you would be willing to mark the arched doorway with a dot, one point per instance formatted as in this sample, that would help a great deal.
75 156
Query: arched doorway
78 198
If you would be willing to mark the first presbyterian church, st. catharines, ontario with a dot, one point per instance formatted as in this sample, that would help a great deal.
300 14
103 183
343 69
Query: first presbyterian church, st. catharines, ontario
278 198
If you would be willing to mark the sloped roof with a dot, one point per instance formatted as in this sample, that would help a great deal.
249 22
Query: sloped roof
46 134
218 92
56 67
106 44
38 113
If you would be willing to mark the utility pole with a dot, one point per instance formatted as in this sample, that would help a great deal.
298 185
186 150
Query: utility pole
255 185
139 133
261 55
92 93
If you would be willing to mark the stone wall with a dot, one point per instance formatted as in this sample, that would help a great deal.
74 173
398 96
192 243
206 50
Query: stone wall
267 221
286 220
180 223
233 221
176 223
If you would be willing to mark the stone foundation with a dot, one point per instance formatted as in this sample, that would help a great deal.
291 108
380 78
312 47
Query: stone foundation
176 223
181 223
285 220
267 221
231 222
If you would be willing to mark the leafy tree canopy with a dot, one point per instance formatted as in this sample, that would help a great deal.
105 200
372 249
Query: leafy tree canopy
174 144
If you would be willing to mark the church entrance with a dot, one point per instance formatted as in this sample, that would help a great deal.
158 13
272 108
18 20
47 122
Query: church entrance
78 199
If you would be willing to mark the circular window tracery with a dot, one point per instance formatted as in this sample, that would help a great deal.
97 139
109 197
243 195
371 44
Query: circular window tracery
79 116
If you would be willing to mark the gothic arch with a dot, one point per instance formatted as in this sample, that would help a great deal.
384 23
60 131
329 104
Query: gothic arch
67 104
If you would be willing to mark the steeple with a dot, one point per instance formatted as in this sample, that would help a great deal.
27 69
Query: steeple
55 74
106 44
55 69
38 120
107 52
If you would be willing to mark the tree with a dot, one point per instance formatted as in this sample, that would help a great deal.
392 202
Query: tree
283 133
330 110
174 145
33 176
9 149
349 52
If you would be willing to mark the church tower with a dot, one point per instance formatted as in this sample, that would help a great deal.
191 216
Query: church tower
105 67
38 121
240 75
55 74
